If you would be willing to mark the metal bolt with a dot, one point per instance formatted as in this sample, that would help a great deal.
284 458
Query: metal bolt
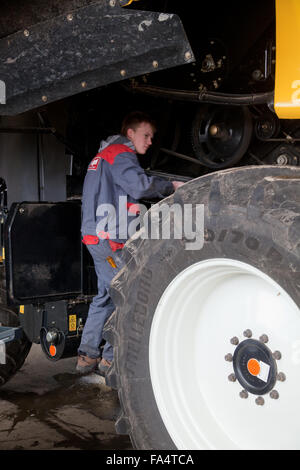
21 210
26 33
282 159
83 84
281 377
260 401
123 72
155 64
228 357
112 3
231 378
244 394
44 98
187 55
277 355
257 74
70 17
264 338
247 333
274 394
234 340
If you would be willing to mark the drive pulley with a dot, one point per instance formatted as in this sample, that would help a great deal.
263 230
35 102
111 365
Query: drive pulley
221 135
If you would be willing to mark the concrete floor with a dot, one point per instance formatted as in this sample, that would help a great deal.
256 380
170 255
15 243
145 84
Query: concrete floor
47 406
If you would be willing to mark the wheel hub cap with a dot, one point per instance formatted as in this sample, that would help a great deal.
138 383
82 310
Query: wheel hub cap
254 367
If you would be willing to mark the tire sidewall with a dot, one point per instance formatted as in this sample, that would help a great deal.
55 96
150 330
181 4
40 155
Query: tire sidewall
229 235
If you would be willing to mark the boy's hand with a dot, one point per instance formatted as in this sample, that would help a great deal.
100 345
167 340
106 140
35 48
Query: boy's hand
177 184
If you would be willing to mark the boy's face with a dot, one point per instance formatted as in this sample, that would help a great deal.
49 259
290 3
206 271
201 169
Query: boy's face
141 137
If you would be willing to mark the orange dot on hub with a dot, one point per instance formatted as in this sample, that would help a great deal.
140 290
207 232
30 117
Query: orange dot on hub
253 367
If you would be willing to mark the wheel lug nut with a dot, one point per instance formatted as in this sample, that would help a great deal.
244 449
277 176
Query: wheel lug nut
260 401
247 333
277 355
274 394
281 377
264 338
231 378
228 357
234 340
244 394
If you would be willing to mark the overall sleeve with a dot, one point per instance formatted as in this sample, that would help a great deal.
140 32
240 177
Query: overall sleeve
90 196
130 176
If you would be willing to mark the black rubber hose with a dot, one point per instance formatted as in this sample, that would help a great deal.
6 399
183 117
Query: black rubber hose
209 96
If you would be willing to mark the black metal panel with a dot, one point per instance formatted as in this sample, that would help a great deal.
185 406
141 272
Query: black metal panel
16 15
43 251
92 46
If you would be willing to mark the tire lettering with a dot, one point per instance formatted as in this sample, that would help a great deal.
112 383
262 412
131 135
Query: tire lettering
222 236
237 236
139 309
252 243
209 235
139 316
142 297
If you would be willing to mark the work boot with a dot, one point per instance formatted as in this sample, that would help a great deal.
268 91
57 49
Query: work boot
103 366
86 364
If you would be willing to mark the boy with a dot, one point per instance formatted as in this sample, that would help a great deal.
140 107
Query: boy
113 175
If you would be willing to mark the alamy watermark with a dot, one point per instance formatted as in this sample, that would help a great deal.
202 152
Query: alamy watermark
162 221
2 92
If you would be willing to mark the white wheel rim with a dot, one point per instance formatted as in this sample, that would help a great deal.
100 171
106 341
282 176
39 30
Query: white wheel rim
200 311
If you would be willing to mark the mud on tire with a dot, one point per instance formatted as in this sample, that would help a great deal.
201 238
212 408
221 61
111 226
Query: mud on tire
252 216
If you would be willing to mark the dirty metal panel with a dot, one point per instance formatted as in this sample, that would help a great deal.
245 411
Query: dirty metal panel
43 251
89 47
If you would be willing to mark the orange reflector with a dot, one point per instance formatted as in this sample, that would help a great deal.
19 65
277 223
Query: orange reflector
253 367
52 350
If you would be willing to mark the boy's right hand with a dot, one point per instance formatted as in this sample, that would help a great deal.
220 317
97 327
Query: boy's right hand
177 184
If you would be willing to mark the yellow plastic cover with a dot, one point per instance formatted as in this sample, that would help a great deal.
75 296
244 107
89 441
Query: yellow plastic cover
287 74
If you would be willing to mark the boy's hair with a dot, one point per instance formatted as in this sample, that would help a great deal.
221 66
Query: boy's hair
134 119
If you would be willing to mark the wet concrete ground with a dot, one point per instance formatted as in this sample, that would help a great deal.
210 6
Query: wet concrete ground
47 406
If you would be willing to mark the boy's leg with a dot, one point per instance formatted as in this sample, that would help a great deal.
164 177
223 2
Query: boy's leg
100 309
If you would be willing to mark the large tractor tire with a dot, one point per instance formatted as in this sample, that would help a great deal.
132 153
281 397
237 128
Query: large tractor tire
16 351
207 342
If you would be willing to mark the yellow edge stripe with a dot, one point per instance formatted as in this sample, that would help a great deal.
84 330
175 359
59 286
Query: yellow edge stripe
287 76
129 2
